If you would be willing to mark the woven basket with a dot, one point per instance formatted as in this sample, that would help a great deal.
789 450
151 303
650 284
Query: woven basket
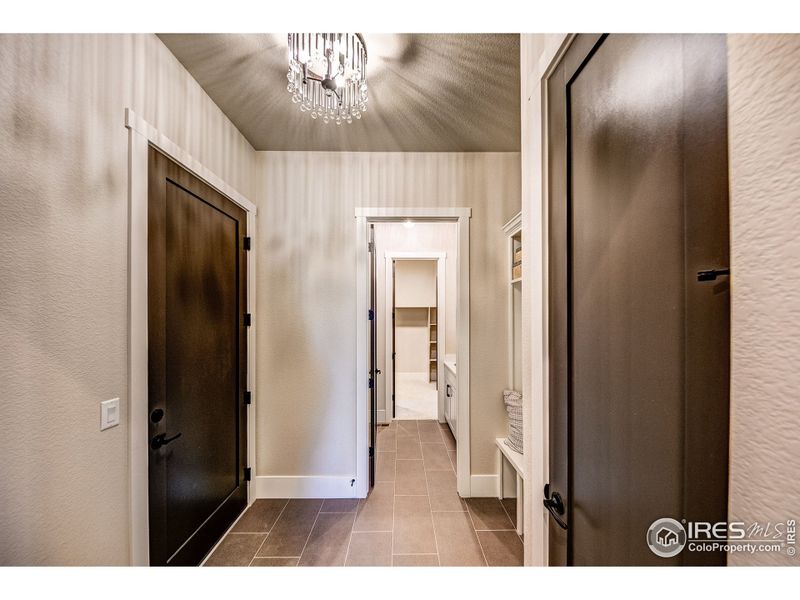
513 401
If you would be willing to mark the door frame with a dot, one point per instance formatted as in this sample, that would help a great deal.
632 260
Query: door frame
535 309
141 136
440 258
363 217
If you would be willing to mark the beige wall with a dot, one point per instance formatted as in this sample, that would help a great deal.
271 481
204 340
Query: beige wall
411 341
63 260
415 283
307 293
764 96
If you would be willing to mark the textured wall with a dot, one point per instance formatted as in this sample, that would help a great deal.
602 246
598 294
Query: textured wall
63 280
307 293
764 96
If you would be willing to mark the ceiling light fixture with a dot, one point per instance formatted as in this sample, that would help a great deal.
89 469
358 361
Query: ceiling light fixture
328 75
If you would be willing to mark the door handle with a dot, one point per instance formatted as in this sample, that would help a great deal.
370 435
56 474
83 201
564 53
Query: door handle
162 440
712 274
447 391
555 506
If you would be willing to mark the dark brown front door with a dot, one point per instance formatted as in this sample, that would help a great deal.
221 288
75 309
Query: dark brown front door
197 363
639 343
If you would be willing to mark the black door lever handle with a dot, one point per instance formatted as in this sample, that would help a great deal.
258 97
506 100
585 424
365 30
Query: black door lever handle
162 440
712 274
554 505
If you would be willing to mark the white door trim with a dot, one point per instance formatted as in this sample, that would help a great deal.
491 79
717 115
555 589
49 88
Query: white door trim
142 135
440 258
535 412
364 216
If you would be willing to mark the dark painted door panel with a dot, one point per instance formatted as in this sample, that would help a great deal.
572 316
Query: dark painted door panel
197 357
639 347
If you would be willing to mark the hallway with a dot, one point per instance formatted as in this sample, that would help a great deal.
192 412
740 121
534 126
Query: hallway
413 516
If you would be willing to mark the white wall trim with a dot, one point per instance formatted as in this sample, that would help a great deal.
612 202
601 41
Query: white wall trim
514 224
440 258
461 217
534 299
269 486
136 123
485 486
142 135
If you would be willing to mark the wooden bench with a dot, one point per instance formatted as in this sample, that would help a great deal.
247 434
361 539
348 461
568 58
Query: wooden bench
515 459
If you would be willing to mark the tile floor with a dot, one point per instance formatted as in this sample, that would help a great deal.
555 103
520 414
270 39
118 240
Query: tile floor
412 517
416 397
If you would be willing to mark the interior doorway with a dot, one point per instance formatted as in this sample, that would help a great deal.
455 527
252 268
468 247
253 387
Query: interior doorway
416 314
376 231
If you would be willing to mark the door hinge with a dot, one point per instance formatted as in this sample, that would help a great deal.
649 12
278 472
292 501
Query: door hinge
370 383
248 398
246 243
393 355
370 246
371 452
248 319
370 314
248 474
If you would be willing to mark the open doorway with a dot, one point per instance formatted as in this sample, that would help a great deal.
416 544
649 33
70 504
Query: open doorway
430 245
416 316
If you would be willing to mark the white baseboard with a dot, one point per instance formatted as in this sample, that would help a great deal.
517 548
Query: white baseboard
484 486
305 487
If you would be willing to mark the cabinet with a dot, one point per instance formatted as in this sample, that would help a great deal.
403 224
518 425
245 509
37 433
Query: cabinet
451 398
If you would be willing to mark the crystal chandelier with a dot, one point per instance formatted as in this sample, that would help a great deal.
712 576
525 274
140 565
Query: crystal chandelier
328 75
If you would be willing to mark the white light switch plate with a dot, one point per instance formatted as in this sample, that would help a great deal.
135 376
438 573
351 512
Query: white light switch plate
109 413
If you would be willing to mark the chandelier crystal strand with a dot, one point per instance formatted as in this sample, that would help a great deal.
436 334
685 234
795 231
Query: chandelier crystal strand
328 75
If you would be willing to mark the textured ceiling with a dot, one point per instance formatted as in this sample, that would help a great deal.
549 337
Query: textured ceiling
427 92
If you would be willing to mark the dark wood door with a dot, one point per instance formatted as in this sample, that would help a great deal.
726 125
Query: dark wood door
197 363
639 346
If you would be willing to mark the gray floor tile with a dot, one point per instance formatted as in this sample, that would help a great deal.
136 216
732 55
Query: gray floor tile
502 548
413 526
260 517
236 550
436 458
458 543
488 513
376 511
289 534
410 479
327 544
370 550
